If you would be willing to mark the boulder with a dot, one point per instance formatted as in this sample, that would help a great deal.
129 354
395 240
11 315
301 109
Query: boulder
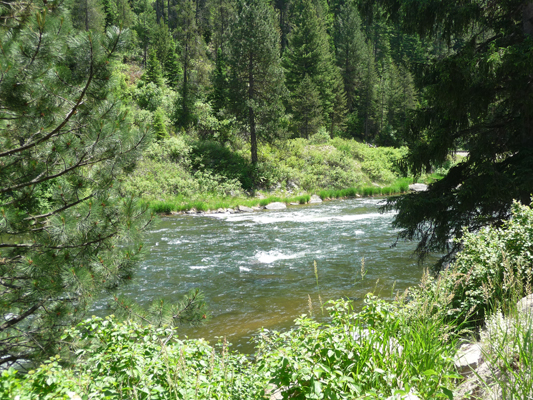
418 187
191 211
408 396
257 208
292 185
468 358
315 199
480 385
294 204
220 211
276 206
244 209
525 306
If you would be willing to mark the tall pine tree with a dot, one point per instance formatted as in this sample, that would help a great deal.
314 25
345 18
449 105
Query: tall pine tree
66 233
307 111
257 83
309 54
354 58
192 53
88 14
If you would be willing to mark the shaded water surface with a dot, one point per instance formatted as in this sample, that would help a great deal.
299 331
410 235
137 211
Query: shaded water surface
256 269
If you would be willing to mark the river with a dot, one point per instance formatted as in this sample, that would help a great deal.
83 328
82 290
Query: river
257 269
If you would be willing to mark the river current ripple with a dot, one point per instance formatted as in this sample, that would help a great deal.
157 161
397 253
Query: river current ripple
256 269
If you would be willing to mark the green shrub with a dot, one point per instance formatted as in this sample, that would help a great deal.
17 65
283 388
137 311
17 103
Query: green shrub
124 360
370 355
493 266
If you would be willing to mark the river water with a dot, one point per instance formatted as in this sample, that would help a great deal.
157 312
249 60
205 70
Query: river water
257 269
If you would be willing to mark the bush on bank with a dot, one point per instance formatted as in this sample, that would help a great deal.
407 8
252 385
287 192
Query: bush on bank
493 269
180 167
369 355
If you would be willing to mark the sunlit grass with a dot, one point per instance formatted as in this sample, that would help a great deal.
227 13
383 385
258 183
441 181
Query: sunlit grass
181 204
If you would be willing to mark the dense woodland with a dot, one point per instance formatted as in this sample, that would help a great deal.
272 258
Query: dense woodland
263 70
86 87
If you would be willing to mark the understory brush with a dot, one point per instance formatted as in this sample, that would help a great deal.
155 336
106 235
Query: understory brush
366 355
183 167
493 266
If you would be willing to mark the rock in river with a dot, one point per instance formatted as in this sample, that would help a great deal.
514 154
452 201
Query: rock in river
315 199
276 206
418 187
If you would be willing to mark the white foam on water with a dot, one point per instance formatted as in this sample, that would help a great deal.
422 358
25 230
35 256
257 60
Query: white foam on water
268 257
244 269
299 217
159 230
175 241
198 267
359 232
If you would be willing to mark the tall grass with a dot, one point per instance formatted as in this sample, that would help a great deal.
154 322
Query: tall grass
180 204
400 186
508 349
374 354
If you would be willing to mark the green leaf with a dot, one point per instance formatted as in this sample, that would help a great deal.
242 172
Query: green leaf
447 392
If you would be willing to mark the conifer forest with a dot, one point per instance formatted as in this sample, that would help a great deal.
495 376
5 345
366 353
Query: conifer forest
114 111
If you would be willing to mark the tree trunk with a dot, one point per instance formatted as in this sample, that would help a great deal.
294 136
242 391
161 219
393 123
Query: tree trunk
168 12
527 19
87 15
251 115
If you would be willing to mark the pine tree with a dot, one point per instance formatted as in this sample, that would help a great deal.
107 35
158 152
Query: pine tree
306 107
173 71
162 41
352 53
123 14
309 54
220 93
478 96
257 86
66 233
153 71
88 14
283 7
144 24
223 15
159 127
192 52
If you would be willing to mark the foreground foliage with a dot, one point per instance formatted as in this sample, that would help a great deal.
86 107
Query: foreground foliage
493 266
368 355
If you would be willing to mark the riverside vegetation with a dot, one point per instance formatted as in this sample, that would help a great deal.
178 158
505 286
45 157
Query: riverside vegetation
98 97
179 174
388 348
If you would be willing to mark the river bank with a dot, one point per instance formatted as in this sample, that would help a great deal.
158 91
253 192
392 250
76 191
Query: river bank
261 200
386 350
